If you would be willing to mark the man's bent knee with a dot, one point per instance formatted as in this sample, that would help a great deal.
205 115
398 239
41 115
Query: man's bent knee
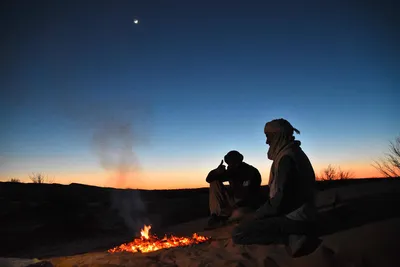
216 184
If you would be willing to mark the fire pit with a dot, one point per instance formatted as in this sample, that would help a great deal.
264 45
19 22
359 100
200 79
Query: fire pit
148 243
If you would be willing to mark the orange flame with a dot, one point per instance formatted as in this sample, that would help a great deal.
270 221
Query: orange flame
145 231
149 243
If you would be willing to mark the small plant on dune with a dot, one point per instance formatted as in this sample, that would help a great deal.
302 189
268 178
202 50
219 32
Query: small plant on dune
14 180
39 178
331 173
343 175
389 166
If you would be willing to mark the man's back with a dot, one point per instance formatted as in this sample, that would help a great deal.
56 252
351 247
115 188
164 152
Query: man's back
300 183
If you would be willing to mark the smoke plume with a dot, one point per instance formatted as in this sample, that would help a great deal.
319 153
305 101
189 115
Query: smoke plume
113 144
130 208
115 129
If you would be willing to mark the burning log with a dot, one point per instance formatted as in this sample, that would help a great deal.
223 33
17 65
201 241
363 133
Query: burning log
148 243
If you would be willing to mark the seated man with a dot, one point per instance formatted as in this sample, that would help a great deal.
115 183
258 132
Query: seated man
289 213
243 192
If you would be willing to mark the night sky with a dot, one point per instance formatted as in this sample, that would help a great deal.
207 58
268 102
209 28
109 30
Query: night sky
88 96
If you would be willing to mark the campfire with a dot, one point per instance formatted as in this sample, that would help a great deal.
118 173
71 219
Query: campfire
149 243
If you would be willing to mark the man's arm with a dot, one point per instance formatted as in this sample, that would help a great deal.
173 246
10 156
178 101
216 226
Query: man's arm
286 172
218 174
215 175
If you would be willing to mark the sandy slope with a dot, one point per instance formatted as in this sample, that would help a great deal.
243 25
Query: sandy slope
359 227
369 245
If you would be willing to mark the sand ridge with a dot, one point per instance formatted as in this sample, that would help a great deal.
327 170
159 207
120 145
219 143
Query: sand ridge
345 249
359 228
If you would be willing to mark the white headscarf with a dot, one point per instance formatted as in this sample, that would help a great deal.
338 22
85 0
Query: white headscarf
282 135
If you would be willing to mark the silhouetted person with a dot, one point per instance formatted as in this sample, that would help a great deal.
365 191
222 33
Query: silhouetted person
242 195
289 212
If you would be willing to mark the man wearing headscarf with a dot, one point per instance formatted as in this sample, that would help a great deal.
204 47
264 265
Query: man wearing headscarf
289 212
242 195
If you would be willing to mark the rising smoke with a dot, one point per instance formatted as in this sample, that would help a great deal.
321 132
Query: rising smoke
113 144
130 208
116 129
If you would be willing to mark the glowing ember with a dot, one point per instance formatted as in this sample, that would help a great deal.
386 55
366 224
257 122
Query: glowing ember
149 243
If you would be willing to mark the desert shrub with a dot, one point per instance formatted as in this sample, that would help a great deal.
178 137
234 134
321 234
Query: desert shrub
14 180
332 173
343 175
389 166
39 178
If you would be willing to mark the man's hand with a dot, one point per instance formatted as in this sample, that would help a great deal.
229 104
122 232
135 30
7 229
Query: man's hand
220 168
215 174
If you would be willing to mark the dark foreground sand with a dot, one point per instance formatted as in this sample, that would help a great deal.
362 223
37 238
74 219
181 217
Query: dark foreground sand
360 226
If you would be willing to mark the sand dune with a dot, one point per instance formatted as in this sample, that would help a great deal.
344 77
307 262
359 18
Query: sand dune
374 244
359 227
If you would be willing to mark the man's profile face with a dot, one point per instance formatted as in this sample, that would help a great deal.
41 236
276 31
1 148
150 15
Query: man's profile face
268 137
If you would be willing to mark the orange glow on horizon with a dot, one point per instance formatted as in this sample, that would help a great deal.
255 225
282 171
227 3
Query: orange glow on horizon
174 179
358 169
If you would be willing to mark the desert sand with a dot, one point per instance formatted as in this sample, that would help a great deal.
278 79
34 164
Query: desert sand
359 226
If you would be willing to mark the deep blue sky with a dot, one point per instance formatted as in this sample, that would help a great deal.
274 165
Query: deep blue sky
191 81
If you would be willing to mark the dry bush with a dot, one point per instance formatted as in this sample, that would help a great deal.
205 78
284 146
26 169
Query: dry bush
343 175
14 180
39 178
389 166
332 173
